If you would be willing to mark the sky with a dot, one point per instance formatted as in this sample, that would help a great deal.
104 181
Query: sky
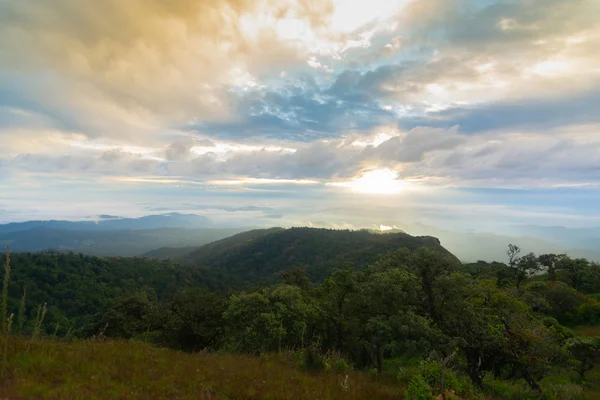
454 113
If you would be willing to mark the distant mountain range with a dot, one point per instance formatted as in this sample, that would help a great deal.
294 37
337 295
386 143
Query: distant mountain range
583 238
176 235
473 246
112 236
109 222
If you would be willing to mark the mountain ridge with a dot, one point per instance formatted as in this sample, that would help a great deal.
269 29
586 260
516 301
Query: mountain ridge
264 254
109 222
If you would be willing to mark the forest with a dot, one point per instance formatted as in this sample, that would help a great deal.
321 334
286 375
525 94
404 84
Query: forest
408 312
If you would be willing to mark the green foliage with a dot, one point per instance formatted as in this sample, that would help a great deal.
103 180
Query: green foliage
508 390
431 371
340 364
584 353
312 359
5 281
271 319
418 389
588 312
381 308
78 288
561 387
193 321
261 256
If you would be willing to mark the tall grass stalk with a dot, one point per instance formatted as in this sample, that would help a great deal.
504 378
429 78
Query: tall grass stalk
21 315
56 328
38 321
4 315
8 325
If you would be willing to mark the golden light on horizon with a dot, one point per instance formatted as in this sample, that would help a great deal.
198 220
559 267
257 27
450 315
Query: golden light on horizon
378 181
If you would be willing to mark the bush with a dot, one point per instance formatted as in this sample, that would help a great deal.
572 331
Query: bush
340 364
312 359
555 387
561 387
589 313
418 389
563 391
432 373
509 390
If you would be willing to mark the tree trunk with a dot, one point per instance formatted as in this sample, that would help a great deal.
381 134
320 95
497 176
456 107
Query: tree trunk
513 372
379 359
474 369
444 362
530 381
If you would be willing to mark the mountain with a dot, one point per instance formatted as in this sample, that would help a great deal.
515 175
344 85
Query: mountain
109 222
580 238
110 242
262 254
473 246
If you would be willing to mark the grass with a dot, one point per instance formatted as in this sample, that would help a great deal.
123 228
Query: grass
46 369
588 330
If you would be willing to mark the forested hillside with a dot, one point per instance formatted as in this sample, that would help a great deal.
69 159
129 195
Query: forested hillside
259 254
393 306
75 287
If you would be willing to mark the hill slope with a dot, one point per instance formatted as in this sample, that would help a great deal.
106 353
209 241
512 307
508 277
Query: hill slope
96 370
260 255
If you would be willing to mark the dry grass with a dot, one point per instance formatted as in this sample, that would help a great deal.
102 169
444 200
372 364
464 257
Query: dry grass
44 369
588 330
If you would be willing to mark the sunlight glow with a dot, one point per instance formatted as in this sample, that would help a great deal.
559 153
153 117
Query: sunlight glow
373 141
551 68
351 14
379 181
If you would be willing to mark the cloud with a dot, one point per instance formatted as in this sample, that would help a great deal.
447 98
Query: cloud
140 60
155 100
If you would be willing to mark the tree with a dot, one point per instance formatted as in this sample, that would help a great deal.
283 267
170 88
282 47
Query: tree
564 302
585 353
333 296
387 310
549 261
522 266
430 267
513 252
194 320
574 269
269 319
126 317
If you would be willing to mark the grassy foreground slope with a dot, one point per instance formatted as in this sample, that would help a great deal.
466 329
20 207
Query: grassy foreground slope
45 369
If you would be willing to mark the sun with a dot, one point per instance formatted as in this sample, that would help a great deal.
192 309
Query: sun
379 181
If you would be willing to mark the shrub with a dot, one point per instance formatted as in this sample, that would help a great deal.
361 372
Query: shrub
589 313
563 391
312 359
432 373
418 389
561 387
509 390
340 364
